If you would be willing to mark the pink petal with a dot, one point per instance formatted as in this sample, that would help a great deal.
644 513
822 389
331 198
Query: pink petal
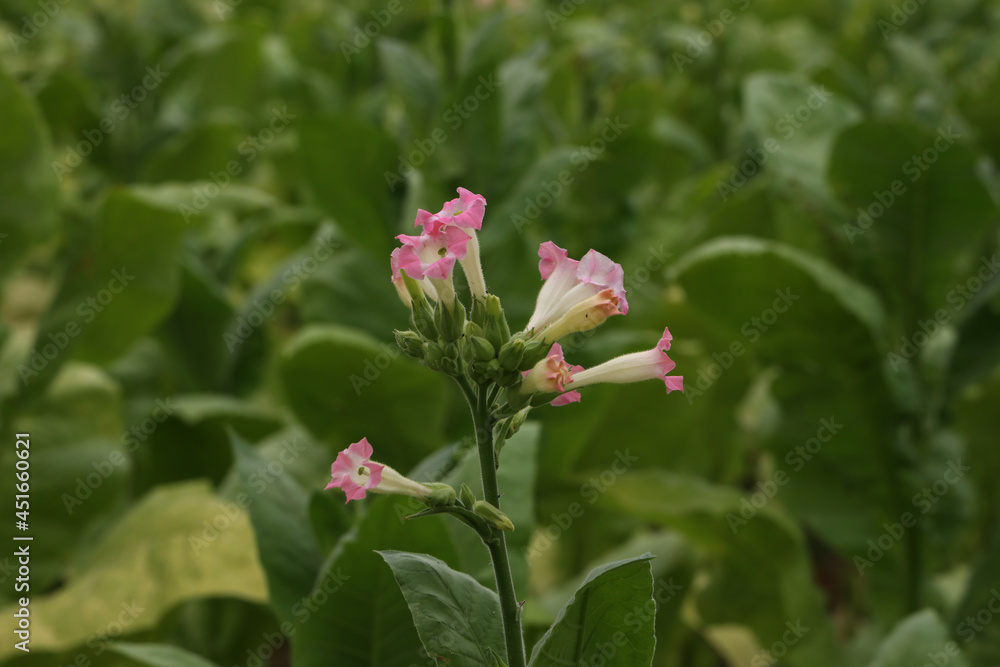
552 256
664 342
440 269
362 448
674 383
375 474
352 490
566 399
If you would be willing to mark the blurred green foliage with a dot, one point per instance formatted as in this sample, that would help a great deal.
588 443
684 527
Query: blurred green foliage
197 200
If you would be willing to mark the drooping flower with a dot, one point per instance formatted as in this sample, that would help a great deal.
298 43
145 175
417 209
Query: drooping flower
576 295
551 374
633 367
464 213
356 473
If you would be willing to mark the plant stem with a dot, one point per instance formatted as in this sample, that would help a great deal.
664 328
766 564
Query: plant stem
498 544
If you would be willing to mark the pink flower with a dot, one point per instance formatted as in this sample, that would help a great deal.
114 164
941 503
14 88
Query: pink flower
465 214
356 473
633 368
576 295
430 255
466 211
550 374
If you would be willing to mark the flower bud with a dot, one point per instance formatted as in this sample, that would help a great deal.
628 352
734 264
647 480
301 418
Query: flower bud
442 495
493 515
479 312
534 352
511 355
423 319
481 349
433 354
465 496
473 329
450 321
451 366
497 331
410 343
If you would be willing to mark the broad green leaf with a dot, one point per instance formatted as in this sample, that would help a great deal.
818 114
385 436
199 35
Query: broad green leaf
819 333
188 437
605 614
918 640
795 123
220 71
457 618
758 572
124 283
160 655
279 512
28 186
356 611
346 162
919 216
344 385
412 77
177 543
79 467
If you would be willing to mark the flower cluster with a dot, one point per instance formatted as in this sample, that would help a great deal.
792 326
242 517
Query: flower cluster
526 369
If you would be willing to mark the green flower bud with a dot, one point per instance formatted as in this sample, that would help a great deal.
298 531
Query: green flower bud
451 323
497 331
442 495
534 352
517 421
473 329
508 380
479 312
410 343
511 355
481 349
451 366
423 319
493 515
466 496
433 354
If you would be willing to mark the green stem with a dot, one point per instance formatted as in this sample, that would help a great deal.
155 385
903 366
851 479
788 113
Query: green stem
498 545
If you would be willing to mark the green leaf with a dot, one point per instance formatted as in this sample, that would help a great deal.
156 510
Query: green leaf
412 77
178 543
345 385
28 186
279 512
606 611
365 621
918 640
458 619
345 161
160 655
921 241
124 282
795 123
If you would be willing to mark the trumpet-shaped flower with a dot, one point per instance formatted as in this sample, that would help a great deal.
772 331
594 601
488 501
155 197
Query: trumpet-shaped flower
356 473
632 367
464 213
576 295
431 255
550 374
